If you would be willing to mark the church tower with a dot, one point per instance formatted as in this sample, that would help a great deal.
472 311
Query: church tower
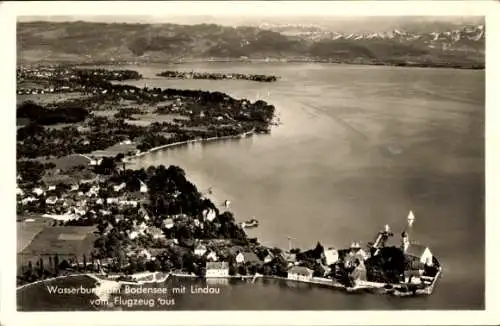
405 236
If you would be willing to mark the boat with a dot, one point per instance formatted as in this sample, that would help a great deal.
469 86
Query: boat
251 223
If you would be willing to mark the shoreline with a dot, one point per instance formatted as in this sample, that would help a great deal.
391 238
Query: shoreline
480 66
128 159
106 287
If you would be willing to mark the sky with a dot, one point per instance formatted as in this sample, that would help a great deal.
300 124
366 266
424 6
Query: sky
336 23
248 12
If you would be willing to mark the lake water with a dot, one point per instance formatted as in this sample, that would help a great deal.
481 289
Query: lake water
359 147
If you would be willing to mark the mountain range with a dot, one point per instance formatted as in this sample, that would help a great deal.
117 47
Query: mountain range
430 44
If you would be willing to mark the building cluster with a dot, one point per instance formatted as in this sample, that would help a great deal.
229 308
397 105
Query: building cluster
64 80
74 201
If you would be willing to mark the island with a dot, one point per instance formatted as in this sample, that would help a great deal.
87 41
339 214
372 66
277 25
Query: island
82 211
216 76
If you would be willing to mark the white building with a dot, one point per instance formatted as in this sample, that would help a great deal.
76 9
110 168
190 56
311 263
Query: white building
38 191
420 253
300 273
217 269
28 199
112 200
119 187
200 250
144 187
132 235
209 214
212 256
144 253
331 256
269 258
240 258
95 162
51 200
156 233
52 188
168 223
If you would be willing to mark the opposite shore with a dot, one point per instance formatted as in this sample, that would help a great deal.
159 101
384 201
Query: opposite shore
466 66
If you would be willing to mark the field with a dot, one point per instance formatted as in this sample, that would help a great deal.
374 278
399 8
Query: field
149 118
49 98
70 161
115 150
47 240
26 231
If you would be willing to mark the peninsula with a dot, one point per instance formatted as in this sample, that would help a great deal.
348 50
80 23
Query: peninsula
80 210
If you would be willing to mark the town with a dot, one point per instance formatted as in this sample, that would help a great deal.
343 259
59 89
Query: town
81 210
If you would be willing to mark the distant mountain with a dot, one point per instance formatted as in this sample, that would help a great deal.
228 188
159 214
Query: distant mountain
88 42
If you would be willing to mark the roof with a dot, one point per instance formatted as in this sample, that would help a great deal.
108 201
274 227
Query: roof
415 250
301 270
217 265
250 257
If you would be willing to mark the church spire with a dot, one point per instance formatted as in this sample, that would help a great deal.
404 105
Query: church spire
405 236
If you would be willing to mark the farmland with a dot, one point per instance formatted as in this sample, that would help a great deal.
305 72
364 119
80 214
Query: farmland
42 240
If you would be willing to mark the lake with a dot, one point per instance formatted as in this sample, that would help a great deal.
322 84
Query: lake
359 147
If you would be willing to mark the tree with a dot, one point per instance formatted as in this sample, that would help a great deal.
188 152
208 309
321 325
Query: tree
56 264
51 265
107 166
84 262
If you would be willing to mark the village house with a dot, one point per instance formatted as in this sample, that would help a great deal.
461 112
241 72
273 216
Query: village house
105 212
132 235
168 223
331 256
93 191
28 199
289 257
212 256
143 213
51 200
132 203
217 269
112 200
145 254
119 187
269 257
209 214
247 257
200 250
240 259
38 191
359 272
156 233
143 188
300 273
419 255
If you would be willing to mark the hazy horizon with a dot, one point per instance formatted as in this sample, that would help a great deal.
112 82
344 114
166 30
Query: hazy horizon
341 23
